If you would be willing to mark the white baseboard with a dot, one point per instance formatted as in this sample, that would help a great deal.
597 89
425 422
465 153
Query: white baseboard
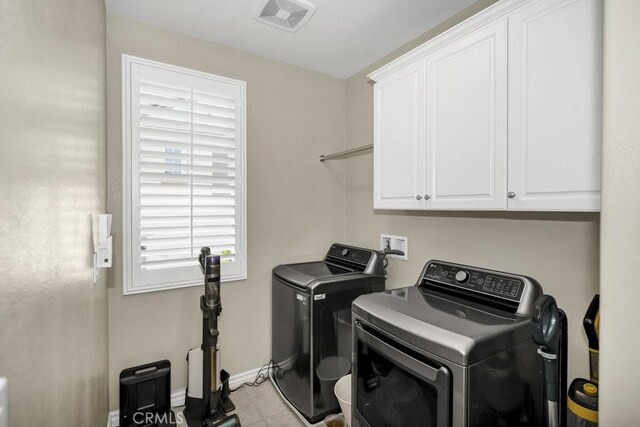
243 377
178 396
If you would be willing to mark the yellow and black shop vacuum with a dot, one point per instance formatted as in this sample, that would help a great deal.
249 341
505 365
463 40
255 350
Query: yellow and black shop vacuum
207 404
582 398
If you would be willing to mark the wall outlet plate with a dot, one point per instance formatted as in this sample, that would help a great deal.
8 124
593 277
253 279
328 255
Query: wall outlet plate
400 243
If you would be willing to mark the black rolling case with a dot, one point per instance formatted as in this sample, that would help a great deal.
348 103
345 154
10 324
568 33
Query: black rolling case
145 396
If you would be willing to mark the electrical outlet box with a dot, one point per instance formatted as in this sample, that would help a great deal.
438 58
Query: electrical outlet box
400 243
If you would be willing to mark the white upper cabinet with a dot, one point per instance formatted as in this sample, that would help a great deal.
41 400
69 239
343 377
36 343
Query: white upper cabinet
399 135
466 144
500 112
555 117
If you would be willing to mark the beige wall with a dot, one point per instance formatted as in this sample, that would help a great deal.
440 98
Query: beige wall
53 319
53 342
560 250
620 325
295 203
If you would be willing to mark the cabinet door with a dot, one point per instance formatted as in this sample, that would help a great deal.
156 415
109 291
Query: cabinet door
399 139
466 145
555 84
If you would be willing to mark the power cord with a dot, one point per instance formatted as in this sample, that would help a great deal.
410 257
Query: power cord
388 251
263 375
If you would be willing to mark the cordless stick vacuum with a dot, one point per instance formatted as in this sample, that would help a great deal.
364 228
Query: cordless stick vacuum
549 331
206 403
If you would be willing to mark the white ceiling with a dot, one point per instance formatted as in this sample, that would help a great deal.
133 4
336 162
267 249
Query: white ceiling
342 37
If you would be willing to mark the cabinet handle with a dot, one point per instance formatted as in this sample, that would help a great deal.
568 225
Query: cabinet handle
511 194
427 197
418 197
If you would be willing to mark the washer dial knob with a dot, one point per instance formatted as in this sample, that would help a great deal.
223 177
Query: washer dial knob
345 252
462 276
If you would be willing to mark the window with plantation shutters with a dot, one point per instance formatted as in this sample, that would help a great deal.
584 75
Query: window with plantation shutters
184 172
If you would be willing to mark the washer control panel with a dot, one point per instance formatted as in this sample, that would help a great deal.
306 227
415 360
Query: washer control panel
489 283
349 254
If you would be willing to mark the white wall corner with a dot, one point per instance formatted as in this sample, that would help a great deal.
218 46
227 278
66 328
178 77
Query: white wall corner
4 402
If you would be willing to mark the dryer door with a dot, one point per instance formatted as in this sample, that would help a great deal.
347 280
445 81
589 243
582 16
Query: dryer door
396 386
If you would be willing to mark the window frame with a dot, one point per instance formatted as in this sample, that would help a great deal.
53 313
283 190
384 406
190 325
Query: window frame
129 192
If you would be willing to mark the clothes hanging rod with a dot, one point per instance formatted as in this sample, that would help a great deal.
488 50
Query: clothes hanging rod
346 152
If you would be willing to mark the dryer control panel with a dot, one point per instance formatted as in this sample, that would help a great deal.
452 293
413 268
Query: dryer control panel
510 292
474 280
491 284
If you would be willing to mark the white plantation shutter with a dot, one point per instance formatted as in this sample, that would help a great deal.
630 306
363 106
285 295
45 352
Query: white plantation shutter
184 175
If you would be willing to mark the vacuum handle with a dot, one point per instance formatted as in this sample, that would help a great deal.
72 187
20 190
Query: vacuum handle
205 251
545 324
590 323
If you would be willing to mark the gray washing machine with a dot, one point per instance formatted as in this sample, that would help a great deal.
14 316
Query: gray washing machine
453 350
311 330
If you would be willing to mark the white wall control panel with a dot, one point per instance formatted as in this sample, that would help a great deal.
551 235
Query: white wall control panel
102 240
400 243
102 243
104 252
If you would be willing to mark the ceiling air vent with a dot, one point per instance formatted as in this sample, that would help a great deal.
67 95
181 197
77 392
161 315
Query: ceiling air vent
288 15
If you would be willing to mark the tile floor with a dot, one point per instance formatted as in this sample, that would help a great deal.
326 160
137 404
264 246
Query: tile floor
262 406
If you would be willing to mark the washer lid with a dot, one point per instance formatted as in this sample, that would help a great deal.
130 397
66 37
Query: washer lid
304 274
442 325
319 269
